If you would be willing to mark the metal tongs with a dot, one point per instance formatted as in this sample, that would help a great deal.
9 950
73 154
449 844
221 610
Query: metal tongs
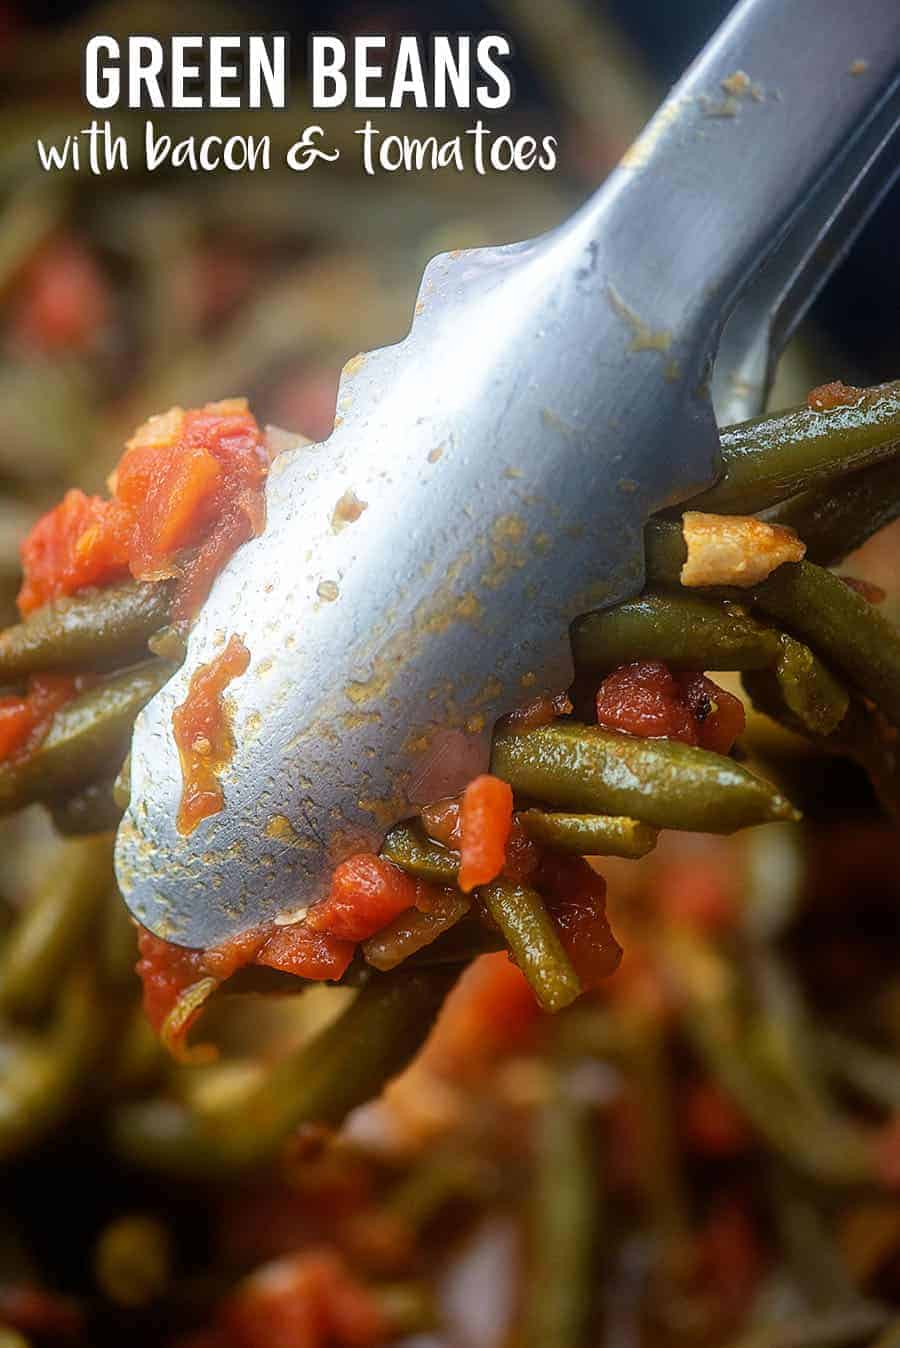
551 395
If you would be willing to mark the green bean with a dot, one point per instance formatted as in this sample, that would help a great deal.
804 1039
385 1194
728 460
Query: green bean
408 845
824 1146
414 930
49 933
407 1307
771 458
564 1217
97 630
837 622
809 688
532 937
93 810
44 1072
684 630
590 835
833 523
342 1067
890 1338
665 552
88 739
133 1260
662 782
862 736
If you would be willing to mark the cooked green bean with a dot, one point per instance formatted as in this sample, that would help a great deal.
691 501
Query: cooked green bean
665 552
836 1328
833 523
43 1072
345 1065
48 935
88 739
661 782
564 1218
530 933
838 624
862 736
771 458
409 846
809 689
414 930
684 630
93 810
97 630
590 835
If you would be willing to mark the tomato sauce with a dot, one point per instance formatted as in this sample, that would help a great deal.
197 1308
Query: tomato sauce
203 735
828 396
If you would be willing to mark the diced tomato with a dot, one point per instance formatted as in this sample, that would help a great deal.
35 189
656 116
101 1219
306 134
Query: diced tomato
366 894
307 1300
522 855
576 898
299 949
719 715
188 490
203 735
489 1012
699 893
647 699
64 301
83 541
731 1256
165 971
24 721
712 1123
485 820
441 822
540 711
644 699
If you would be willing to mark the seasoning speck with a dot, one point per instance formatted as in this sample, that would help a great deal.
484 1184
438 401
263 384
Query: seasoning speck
328 590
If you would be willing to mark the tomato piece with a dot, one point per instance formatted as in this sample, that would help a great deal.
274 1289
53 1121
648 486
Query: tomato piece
718 715
485 820
712 1123
187 492
644 699
300 949
24 721
203 735
306 1300
576 899
165 970
65 300
366 894
490 1011
83 541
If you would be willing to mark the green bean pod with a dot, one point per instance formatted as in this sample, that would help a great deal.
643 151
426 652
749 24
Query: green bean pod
661 782
684 630
414 930
44 1072
96 630
834 523
87 740
839 624
47 937
590 835
345 1065
408 845
564 1218
809 688
770 458
92 810
532 937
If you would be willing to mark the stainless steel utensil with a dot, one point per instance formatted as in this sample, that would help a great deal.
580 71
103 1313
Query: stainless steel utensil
550 396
